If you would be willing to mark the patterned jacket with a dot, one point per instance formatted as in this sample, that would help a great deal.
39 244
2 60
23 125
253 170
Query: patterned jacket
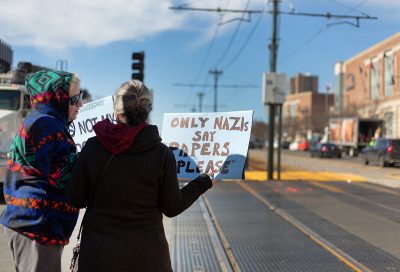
41 159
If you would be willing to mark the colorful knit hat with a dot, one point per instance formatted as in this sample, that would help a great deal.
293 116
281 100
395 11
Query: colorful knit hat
49 91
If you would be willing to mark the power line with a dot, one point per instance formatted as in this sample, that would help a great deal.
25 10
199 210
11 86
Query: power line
349 7
323 28
206 57
208 52
295 13
208 49
248 38
301 45
216 74
212 43
233 37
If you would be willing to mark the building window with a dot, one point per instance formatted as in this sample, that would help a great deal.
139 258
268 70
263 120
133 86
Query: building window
293 111
388 72
374 70
389 124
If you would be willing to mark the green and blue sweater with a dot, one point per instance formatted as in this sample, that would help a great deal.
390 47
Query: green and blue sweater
41 159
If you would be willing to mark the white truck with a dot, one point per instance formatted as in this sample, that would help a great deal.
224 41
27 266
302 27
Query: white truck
14 107
352 134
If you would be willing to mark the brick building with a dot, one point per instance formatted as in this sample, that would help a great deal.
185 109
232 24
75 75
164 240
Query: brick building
305 109
303 83
6 57
368 84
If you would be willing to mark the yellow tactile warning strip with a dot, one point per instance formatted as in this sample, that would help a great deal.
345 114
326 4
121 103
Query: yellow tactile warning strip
306 175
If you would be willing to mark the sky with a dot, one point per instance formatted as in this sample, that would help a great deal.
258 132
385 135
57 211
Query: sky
96 39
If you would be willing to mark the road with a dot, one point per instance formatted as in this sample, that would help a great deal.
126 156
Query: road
295 160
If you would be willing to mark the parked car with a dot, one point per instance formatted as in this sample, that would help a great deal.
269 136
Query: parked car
328 150
384 152
303 145
255 143
267 144
293 146
285 144
314 141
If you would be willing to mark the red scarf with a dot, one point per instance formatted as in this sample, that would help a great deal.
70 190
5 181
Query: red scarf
116 138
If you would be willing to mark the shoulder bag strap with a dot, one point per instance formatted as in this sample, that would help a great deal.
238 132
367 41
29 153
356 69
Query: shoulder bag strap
96 186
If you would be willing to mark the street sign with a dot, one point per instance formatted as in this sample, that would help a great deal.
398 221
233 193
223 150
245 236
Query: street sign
274 88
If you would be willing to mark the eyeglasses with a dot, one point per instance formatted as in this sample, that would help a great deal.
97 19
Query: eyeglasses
73 100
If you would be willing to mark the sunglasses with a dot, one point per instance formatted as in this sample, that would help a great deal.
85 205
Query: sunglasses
73 100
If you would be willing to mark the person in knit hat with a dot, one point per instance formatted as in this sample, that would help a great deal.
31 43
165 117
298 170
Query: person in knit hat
37 220
128 195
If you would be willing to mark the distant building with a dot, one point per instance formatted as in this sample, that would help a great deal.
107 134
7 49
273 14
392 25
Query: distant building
369 84
301 83
305 109
6 57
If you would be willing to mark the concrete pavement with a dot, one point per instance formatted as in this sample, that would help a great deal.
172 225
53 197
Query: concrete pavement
300 166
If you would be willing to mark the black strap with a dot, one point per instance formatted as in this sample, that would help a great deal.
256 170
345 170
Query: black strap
96 186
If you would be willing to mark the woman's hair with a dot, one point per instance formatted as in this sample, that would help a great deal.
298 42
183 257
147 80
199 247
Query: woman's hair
75 80
133 101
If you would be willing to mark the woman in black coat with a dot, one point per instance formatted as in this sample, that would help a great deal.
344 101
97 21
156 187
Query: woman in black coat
123 229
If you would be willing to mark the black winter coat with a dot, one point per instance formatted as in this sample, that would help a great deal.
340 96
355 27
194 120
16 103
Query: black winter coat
123 229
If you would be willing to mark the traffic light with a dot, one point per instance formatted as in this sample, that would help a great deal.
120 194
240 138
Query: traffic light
138 66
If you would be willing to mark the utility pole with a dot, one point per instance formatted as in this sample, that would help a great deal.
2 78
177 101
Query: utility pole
216 73
62 65
273 59
200 95
273 47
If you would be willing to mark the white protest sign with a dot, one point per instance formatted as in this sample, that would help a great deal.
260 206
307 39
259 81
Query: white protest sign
89 114
202 142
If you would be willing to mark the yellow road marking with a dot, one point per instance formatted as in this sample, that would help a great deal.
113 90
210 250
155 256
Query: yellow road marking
306 175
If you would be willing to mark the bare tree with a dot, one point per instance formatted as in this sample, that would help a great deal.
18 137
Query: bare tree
259 130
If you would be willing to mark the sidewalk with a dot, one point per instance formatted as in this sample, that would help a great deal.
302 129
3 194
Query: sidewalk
171 225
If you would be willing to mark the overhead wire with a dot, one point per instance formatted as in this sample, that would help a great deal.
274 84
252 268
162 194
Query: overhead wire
190 2
248 38
208 74
349 7
207 53
323 28
233 37
212 43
